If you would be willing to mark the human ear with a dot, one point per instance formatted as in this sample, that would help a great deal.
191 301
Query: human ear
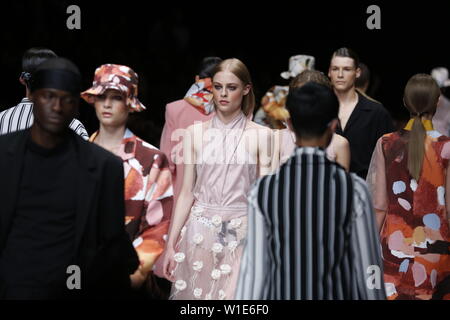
247 89
22 81
358 72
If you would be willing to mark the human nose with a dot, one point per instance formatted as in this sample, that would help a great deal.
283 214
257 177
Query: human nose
341 73
108 103
57 105
223 92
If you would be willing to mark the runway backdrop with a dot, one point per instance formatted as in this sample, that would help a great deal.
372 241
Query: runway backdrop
165 41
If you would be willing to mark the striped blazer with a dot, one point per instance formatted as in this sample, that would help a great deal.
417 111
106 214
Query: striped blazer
21 117
311 235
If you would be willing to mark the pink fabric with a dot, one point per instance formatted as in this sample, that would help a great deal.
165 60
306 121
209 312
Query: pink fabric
214 233
179 115
441 119
376 179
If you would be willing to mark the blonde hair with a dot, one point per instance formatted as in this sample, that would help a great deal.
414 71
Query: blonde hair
238 68
421 96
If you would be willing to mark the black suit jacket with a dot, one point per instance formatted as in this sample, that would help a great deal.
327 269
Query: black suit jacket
103 250
368 122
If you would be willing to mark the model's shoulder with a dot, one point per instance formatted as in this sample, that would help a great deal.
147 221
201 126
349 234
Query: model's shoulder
373 104
140 143
340 141
199 125
100 154
254 125
12 136
7 111
174 105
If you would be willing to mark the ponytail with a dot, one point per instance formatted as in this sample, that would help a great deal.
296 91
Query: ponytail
420 97
416 147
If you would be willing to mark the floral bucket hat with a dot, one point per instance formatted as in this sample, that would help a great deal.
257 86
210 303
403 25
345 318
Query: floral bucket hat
118 77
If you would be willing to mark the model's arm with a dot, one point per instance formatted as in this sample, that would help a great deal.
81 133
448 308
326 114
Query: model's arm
447 191
267 162
166 144
276 149
184 203
376 181
154 224
342 151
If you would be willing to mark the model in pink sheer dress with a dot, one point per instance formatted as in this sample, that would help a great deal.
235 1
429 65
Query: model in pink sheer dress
229 152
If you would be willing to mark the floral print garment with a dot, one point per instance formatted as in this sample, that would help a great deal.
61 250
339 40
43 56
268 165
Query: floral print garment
273 112
200 96
148 196
415 236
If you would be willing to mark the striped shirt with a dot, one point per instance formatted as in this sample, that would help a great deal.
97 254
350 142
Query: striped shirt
21 117
311 235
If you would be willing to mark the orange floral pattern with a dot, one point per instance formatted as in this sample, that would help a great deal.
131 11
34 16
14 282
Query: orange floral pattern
415 237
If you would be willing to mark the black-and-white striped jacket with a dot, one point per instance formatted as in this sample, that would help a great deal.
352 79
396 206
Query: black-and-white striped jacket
311 235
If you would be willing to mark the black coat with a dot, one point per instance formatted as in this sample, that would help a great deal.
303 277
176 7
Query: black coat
368 122
103 250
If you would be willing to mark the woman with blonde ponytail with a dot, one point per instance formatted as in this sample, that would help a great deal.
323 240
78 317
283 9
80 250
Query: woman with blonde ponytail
409 178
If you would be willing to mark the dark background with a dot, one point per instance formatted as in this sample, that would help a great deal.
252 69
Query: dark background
165 41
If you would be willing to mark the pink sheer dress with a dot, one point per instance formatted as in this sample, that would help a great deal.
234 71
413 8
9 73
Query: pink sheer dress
210 245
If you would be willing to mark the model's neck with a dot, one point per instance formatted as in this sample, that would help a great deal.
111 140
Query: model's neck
317 142
347 97
109 135
46 139
226 118
314 143
27 93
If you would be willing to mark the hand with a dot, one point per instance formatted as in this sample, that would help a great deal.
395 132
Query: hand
169 263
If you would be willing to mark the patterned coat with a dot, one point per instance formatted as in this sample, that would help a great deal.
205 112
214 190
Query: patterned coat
148 196
415 237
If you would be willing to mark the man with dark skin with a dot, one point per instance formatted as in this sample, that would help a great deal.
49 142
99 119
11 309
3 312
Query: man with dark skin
20 117
62 202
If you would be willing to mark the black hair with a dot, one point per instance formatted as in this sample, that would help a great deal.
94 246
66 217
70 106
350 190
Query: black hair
33 57
59 73
347 53
364 78
207 66
312 107
58 64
